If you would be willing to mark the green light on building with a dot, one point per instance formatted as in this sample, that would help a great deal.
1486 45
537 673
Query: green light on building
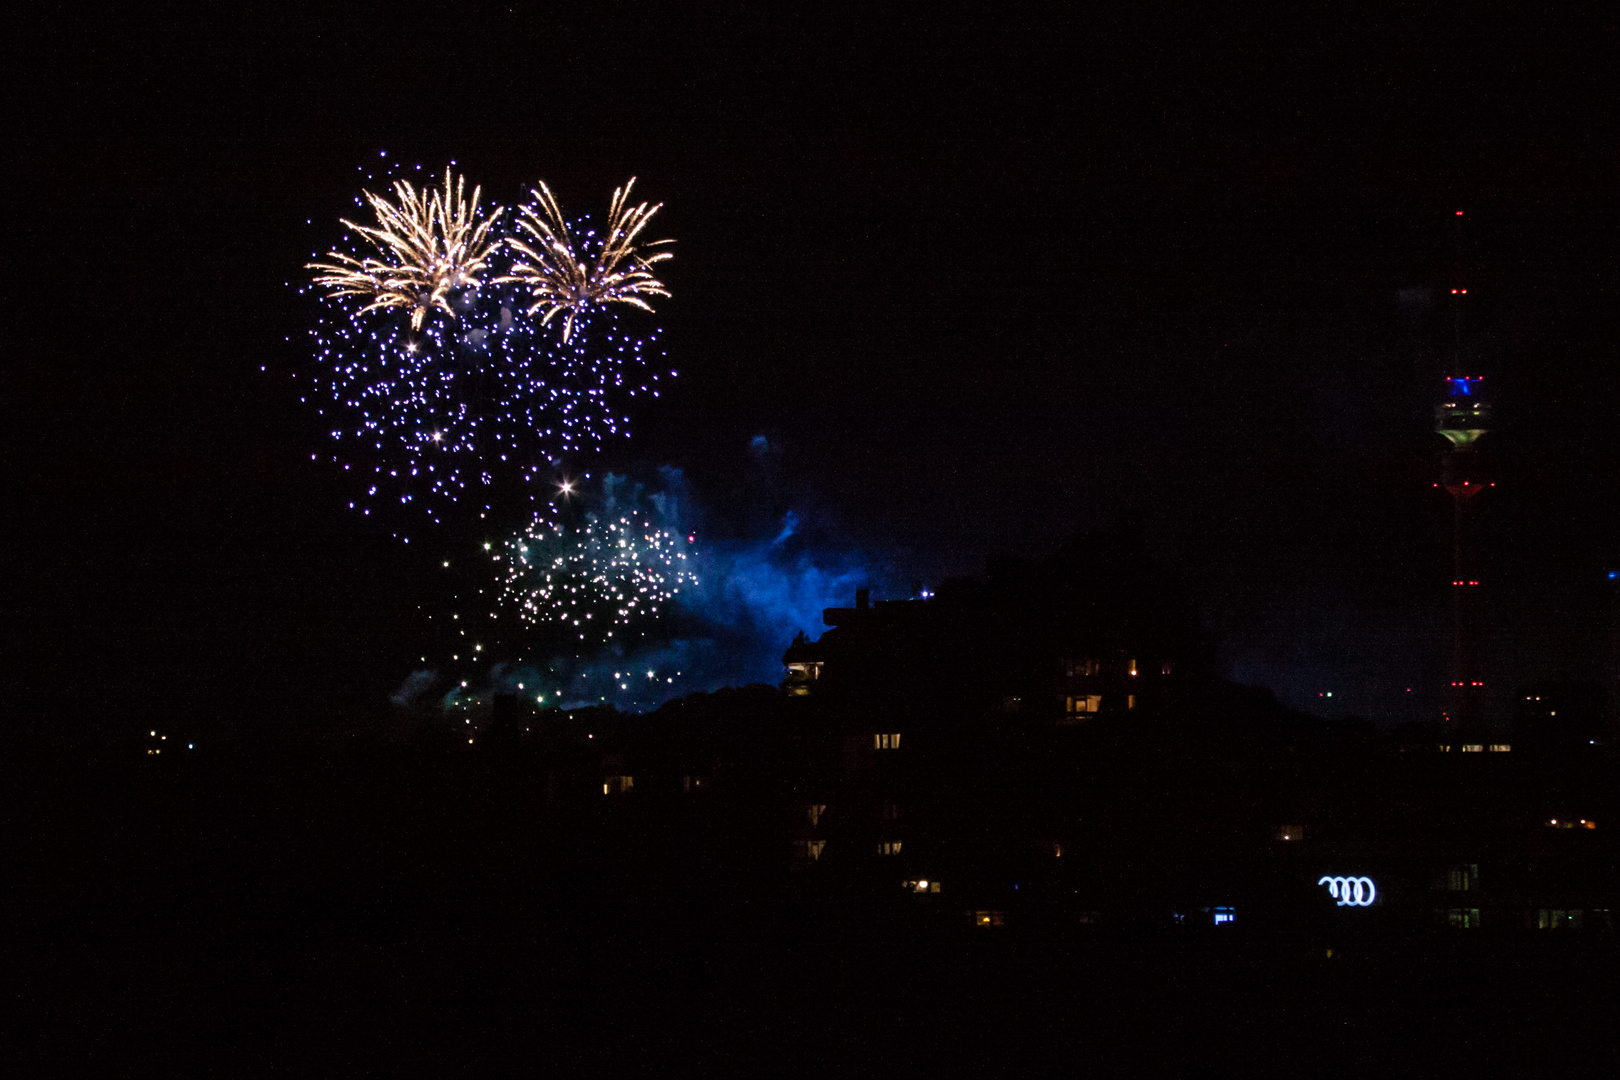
1463 422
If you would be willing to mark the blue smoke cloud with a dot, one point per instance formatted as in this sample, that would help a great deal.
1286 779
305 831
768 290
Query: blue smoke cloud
753 594
416 684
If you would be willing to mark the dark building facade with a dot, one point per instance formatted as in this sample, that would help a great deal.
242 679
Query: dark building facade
1052 747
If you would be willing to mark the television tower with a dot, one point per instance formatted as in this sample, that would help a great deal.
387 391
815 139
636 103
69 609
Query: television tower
1463 417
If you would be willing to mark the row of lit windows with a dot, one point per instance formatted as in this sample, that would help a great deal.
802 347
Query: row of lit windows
1544 919
1461 918
1075 668
885 742
1219 916
1560 919
618 785
812 849
1461 878
1092 703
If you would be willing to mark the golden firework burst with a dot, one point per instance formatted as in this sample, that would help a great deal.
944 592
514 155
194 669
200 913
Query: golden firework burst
430 242
561 281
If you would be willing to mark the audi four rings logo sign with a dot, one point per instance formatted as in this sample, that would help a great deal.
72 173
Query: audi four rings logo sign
1351 891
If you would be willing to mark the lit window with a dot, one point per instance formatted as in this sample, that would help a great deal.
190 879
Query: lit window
1462 918
989 918
1084 703
1225 915
1501 747
922 885
814 812
1291 832
1460 878
1133 667
889 847
1130 701
1473 748
886 742
1166 668
1560 919
617 785
809 849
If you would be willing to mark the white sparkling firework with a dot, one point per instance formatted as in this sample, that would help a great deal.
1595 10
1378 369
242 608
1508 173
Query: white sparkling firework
603 575
569 276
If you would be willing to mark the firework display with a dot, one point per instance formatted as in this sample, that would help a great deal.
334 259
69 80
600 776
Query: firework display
431 243
563 275
461 352
469 391
600 576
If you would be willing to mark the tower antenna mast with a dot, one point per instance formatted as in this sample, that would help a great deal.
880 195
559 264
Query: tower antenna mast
1463 418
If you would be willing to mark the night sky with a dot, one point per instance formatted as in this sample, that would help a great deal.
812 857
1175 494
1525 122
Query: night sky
979 283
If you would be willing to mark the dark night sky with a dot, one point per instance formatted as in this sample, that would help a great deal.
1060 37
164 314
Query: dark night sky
984 282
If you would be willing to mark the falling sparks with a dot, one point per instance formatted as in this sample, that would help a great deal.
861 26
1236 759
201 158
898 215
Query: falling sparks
604 573
571 276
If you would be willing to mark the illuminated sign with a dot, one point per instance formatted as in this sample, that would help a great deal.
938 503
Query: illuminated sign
1351 891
